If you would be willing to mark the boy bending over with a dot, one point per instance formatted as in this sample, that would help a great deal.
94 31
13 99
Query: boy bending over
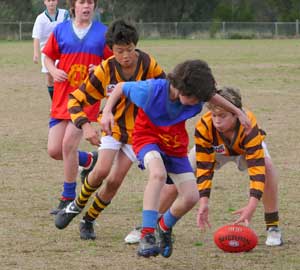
160 142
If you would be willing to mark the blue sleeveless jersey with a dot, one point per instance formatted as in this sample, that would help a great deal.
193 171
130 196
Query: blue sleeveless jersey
153 97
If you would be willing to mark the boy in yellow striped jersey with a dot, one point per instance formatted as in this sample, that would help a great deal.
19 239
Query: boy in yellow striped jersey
115 152
220 138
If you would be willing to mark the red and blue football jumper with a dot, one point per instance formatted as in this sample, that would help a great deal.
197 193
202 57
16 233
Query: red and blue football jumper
75 55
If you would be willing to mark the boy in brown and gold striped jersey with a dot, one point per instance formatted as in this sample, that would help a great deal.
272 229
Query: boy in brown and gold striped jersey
220 138
115 152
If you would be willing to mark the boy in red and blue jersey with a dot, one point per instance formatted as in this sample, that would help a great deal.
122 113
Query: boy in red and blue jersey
77 44
75 56
160 142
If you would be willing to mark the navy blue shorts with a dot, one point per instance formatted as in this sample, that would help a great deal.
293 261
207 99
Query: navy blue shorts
176 165
53 122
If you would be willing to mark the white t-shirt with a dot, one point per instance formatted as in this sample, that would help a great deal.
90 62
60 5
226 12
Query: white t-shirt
44 25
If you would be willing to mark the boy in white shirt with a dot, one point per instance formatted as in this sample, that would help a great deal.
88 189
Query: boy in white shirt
43 27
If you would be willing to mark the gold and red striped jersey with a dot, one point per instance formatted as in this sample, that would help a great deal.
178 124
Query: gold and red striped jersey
209 142
101 83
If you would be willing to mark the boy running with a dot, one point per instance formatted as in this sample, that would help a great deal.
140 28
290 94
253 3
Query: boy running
76 43
115 152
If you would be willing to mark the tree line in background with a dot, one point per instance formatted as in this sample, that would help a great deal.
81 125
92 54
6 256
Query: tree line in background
168 10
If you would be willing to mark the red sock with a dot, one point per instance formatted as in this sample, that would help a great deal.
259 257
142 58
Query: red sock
146 231
66 199
162 224
89 160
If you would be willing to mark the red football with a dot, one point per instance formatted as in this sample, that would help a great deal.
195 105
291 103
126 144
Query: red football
235 238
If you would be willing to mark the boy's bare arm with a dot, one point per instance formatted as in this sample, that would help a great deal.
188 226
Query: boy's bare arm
58 75
222 102
107 119
36 50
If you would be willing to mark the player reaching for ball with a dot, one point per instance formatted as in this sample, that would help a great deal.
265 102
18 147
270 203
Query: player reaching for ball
220 138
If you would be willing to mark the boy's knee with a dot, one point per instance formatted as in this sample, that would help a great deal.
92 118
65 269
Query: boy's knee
158 176
69 147
191 198
55 153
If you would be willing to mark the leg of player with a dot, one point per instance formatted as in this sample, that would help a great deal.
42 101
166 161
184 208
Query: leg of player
270 202
187 197
157 175
119 168
168 195
91 183
57 129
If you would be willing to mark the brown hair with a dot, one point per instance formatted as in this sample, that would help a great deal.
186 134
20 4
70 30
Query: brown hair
121 32
193 78
231 94
72 6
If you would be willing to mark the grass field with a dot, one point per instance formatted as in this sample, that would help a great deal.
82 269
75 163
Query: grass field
266 71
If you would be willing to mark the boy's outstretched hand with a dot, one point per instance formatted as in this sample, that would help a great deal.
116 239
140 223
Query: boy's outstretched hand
246 213
202 215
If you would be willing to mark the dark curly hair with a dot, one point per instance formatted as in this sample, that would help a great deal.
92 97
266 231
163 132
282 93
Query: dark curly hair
122 33
193 78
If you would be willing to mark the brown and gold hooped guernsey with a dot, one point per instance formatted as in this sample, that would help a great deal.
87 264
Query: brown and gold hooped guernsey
101 83
208 141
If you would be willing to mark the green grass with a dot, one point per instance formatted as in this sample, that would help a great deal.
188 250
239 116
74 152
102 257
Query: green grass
266 71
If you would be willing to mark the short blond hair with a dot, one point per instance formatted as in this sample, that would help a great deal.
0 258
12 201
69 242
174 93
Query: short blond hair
231 94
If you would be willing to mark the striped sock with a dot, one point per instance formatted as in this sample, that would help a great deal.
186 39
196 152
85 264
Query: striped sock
95 209
85 193
271 219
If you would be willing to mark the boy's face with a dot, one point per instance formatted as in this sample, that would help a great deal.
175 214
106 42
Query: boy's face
84 9
188 100
223 121
125 54
50 4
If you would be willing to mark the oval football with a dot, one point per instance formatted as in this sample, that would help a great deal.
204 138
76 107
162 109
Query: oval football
235 238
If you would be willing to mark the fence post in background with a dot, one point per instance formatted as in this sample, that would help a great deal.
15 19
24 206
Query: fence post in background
223 28
276 29
176 29
20 30
297 28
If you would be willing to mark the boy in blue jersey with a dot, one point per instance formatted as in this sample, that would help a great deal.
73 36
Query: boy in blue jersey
160 142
